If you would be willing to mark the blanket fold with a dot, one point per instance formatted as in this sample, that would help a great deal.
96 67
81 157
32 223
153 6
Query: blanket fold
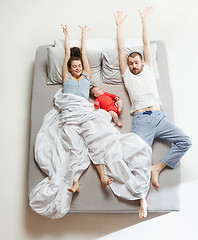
72 135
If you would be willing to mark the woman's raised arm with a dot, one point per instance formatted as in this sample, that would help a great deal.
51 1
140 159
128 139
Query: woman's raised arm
65 70
85 60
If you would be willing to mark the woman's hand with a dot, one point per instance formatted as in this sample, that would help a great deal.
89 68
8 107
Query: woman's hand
119 18
84 29
144 14
65 29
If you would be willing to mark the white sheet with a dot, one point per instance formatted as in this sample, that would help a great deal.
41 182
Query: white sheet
72 134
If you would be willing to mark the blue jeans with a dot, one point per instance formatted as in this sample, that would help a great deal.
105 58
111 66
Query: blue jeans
150 125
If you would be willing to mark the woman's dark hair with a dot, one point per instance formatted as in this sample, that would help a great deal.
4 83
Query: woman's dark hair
75 55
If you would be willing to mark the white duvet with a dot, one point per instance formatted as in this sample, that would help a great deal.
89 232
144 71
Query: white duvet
73 134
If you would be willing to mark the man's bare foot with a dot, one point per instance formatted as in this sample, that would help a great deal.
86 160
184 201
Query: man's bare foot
74 188
155 176
143 208
106 181
155 171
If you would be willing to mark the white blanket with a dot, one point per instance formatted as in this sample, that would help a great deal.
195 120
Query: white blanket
72 134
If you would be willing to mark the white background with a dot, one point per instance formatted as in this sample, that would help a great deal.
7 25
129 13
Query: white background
28 24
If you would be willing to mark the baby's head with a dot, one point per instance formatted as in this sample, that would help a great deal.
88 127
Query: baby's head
96 91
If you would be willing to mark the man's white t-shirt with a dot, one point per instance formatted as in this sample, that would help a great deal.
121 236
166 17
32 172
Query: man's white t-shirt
142 88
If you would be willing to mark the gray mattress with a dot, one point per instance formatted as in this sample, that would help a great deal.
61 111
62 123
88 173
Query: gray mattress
93 197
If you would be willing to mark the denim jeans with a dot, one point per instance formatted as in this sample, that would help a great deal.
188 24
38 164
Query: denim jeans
150 125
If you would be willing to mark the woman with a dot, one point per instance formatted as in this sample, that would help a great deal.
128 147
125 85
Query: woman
76 73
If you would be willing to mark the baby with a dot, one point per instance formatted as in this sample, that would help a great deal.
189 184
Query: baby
109 102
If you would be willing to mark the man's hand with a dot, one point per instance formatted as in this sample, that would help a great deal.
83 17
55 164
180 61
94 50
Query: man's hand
144 14
119 18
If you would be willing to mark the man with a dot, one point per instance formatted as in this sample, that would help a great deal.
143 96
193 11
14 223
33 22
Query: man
149 121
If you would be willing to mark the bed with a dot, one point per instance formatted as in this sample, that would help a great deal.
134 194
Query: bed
93 198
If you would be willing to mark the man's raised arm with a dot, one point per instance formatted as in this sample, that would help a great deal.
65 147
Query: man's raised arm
85 60
145 36
120 40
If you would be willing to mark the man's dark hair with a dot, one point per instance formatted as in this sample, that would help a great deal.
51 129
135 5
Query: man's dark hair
134 54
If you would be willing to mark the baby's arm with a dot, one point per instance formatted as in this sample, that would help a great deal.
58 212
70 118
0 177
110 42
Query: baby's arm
96 104
118 101
119 104
113 96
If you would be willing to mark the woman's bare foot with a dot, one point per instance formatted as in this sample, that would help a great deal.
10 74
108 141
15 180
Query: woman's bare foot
74 188
143 208
106 181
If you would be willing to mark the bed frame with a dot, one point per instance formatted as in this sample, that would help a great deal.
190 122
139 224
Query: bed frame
93 197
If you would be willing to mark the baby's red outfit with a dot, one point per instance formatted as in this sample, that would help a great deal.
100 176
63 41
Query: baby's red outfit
107 102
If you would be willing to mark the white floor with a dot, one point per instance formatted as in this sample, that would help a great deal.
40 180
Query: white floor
171 226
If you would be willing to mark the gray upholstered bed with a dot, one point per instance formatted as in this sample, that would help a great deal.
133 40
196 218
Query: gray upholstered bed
93 197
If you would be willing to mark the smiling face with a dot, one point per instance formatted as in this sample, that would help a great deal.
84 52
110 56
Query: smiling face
135 64
76 68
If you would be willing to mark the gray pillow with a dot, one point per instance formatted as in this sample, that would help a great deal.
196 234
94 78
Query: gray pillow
110 63
55 62
55 59
95 61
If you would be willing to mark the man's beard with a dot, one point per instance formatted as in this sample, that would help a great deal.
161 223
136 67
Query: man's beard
136 71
